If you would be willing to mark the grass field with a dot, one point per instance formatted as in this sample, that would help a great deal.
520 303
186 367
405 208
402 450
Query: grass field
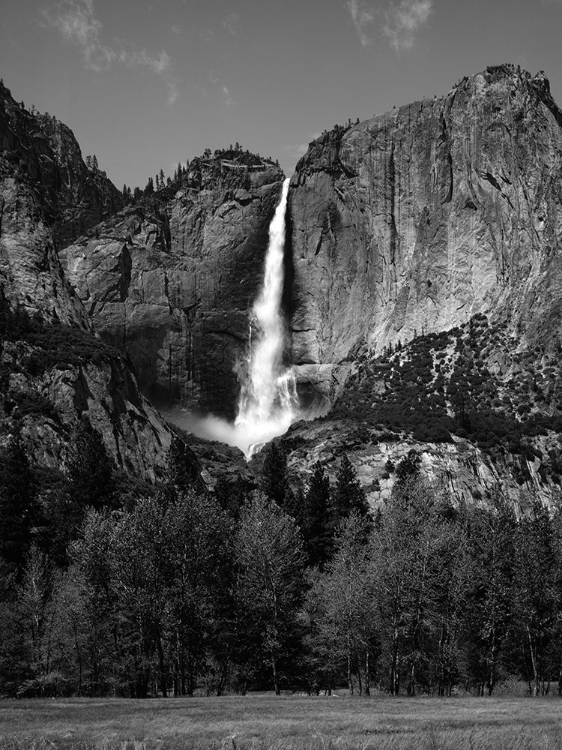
284 723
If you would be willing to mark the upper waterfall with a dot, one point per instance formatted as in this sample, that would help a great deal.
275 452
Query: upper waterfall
268 402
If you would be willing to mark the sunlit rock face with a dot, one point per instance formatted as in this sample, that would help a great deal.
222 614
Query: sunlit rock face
171 280
415 220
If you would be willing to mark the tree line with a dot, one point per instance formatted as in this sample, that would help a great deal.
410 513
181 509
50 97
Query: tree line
180 590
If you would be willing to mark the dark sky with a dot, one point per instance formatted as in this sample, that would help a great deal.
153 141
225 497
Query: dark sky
145 84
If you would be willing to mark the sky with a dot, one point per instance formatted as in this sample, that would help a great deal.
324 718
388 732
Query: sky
145 84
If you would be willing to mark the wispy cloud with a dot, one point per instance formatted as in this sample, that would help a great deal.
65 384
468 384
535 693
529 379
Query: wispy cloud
230 23
228 100
215 80
77 23
175 28
403 22
361 15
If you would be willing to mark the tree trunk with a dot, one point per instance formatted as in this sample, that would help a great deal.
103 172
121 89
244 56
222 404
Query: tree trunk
162 668
275 677
535 687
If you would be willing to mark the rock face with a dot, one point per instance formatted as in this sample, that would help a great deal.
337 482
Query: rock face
467 473
52 368
44 155
170 280
416 220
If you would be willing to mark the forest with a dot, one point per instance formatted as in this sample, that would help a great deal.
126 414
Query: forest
176 590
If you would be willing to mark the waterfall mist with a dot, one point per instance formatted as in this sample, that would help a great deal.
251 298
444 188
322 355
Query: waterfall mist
268 401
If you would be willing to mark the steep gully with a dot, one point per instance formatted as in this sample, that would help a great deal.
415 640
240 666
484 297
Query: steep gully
268 401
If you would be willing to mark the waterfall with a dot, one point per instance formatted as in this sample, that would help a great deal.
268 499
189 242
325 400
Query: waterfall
268 402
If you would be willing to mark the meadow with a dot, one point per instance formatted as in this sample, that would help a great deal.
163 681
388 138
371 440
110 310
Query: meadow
266 722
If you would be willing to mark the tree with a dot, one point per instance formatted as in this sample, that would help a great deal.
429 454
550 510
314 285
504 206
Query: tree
231 494
490 600
317 524
18 505
536 595
201 611
149 189
406 559
270 561
89 468
342 610
182 469
348 495
274 473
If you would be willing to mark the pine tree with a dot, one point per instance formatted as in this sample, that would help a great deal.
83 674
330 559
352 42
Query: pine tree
90 469
18 505
348 495
274 474
182 471
317 527
149 189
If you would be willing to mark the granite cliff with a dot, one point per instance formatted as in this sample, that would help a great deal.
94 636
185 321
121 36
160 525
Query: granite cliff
170 280
416 220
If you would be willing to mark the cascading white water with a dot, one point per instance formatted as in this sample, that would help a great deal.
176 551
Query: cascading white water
268 401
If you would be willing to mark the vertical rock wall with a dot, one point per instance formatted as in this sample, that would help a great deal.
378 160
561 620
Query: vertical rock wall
415 220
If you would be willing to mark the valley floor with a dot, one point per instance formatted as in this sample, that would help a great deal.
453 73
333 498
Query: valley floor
265 722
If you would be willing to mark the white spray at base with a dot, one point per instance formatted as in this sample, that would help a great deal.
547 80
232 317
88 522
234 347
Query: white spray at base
268 401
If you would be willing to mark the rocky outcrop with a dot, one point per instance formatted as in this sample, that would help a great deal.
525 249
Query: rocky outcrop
460 468
415 220
170 280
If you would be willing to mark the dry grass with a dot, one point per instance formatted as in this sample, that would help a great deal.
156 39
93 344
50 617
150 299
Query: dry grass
286 723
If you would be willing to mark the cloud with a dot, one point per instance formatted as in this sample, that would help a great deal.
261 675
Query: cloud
229 101
362 16
77 23
215 80
175 28
403 22
230 23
